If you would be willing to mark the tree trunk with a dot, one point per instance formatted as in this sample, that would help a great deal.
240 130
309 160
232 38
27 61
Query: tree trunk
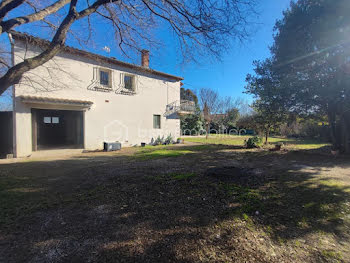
208 130
267 133
332 124
344 135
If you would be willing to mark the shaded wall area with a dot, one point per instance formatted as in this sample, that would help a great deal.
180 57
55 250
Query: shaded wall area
6 133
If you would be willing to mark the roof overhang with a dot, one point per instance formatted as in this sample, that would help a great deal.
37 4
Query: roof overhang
23 37
46 102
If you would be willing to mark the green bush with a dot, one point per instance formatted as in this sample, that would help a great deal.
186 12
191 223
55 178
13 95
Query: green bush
254 142
169 139
159 141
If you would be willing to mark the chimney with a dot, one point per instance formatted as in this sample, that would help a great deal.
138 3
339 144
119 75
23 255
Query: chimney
145 58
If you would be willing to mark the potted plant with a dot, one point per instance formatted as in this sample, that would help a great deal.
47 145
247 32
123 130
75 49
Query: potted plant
180 140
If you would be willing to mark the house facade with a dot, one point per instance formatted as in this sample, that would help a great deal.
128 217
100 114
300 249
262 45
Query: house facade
81 100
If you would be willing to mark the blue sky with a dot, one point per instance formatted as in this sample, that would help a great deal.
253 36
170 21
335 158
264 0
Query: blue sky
226 76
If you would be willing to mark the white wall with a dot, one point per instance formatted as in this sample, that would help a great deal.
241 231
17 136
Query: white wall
124 118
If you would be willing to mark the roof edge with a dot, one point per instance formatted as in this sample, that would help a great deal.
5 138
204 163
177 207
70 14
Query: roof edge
23 37
37 99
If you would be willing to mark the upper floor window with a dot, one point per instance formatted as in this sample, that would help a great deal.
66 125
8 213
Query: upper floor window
129 82
105 77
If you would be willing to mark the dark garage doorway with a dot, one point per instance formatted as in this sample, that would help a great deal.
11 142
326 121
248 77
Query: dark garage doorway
57 129
6 134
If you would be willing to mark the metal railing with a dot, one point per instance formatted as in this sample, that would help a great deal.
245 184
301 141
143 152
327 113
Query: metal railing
183 107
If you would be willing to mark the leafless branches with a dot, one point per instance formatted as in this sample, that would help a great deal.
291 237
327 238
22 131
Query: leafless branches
210 103
210 99
199 26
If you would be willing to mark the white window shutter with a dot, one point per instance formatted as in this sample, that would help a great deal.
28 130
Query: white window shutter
122 80
135 83
95 74
112 78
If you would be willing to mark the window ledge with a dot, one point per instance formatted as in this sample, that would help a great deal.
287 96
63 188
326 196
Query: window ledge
125 92
101 88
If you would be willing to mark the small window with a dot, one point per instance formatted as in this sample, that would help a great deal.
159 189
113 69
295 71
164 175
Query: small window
129 82
47 119
156 121
105 77
55 120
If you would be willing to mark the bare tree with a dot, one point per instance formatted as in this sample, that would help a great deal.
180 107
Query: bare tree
210 103
199 25
244 107
226 104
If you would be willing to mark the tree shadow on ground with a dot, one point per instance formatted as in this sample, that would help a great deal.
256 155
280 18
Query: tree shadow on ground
118 208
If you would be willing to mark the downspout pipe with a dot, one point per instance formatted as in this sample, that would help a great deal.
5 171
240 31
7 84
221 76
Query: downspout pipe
14 139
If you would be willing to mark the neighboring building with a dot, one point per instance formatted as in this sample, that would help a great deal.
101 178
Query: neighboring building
80 100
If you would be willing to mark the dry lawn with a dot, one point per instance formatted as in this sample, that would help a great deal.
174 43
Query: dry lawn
191 203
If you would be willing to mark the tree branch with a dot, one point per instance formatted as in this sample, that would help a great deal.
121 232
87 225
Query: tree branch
7 25
198 25
14 74
8 5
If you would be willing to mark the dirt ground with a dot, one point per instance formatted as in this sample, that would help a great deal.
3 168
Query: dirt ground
190 203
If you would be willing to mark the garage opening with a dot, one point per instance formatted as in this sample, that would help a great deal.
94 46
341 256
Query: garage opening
6 134
57 129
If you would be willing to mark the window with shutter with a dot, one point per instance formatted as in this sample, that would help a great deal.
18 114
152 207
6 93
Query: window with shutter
105 78
129 82
102 80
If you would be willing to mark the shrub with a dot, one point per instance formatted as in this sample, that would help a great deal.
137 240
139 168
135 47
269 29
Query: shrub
305 129
169 139
254 142
291 130
159 141
163 141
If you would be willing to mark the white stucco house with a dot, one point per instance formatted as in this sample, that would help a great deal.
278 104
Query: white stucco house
81 100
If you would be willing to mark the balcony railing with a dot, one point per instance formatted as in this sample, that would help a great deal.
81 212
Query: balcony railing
183 107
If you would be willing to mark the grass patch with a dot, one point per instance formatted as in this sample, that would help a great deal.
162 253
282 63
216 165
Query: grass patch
176 176
246 217
16 204
333 183
298 243
202 148
302 144
183 176
150 154
332 255
250 200
217 139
